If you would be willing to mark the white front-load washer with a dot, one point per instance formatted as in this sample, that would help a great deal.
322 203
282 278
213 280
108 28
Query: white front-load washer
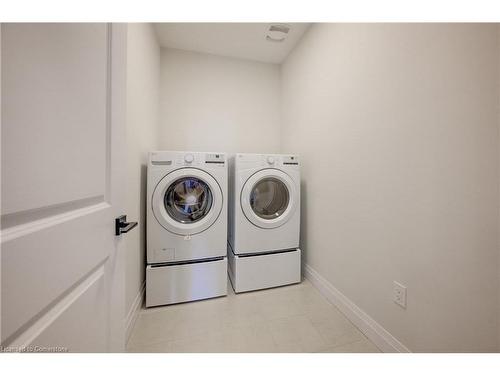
186 226
264 220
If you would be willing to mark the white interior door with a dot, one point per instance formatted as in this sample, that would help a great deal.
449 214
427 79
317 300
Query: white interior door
63 140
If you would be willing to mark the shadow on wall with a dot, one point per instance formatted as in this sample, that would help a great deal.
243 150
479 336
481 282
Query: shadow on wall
303 224
142 213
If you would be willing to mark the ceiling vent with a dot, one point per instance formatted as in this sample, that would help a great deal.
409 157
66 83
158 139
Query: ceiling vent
277 32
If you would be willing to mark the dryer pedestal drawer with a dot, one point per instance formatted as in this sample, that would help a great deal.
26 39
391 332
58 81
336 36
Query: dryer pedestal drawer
263 271
169 284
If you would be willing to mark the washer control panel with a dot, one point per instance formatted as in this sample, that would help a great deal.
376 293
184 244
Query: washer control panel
215 158
290 160
188 158
194 159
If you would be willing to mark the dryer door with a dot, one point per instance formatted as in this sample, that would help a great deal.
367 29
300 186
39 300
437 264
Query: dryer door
269 198
187 201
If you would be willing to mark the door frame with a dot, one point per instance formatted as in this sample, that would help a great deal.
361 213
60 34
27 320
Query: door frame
0 172
117 102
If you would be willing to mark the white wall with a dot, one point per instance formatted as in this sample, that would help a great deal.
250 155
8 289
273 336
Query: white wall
397 126
212 103
498 83
143 96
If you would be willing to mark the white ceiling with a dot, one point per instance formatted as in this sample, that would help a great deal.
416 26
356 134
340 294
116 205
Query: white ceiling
240 40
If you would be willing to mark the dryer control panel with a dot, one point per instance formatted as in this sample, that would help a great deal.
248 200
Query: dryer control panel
267 160
279 160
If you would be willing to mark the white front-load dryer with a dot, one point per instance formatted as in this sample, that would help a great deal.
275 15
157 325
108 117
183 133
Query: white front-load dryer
264 220
186 226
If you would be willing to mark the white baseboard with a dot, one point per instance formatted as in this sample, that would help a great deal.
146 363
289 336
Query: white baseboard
134 311
373 330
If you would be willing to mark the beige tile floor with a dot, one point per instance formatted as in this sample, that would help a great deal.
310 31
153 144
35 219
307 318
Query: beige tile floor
293 318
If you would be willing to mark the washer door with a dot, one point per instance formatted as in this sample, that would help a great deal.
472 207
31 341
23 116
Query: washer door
269 198
187 201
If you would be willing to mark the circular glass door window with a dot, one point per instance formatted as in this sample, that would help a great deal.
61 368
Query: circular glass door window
269 198
188 200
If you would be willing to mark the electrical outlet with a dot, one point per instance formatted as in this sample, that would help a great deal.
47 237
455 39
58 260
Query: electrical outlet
399 294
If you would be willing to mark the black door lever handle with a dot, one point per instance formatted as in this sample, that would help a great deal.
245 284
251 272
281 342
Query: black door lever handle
121 225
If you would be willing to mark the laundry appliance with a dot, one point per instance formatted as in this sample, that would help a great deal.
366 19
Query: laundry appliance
264 221
187 199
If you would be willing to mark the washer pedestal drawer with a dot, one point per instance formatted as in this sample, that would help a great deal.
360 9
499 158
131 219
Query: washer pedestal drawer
260 271
167 284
